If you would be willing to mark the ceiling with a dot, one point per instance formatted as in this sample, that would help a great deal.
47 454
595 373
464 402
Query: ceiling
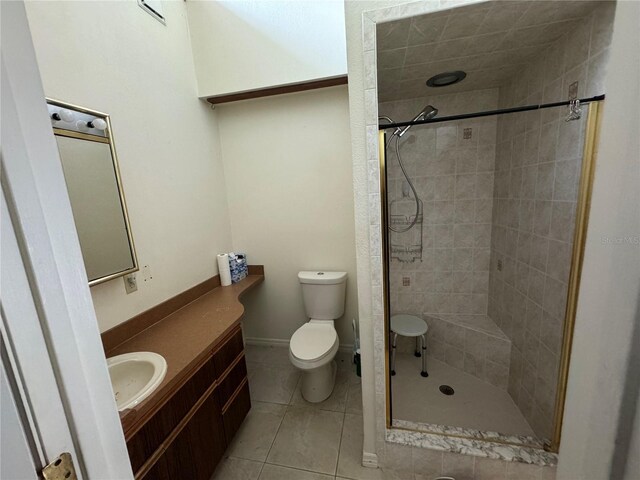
490 41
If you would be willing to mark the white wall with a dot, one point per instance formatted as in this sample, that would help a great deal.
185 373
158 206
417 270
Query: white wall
602 369
287 161
141 72
248 45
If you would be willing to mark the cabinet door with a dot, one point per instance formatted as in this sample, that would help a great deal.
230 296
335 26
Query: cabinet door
229 384
147 440
236 412
196 451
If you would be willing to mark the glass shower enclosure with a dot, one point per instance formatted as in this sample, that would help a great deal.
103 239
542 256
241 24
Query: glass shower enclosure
485 216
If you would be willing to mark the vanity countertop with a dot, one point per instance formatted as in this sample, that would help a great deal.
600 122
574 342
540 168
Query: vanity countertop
184 338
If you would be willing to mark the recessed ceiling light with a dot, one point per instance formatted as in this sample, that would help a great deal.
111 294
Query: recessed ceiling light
446 78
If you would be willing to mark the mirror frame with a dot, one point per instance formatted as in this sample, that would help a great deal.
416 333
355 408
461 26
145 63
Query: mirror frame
108 138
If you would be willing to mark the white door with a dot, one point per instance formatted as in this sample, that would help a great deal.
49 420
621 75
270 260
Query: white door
56 394
29 383
17 456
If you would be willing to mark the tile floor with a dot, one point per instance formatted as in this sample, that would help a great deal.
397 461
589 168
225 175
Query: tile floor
475 404
286 438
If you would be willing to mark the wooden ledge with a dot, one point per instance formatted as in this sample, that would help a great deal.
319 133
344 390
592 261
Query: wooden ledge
279 90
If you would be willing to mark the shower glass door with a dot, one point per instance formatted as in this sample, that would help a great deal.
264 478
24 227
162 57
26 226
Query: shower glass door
485 224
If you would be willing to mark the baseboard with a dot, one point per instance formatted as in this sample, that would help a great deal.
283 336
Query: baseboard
266 342
279 342
369 460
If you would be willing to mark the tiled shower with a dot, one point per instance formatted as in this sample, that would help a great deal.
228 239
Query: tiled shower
498 204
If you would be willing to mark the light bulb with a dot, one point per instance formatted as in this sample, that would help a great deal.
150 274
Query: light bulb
81 125
67 115
98 124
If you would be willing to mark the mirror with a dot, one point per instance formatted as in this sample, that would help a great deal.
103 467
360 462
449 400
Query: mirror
90 166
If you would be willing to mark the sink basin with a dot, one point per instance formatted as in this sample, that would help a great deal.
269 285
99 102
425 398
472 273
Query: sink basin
134 376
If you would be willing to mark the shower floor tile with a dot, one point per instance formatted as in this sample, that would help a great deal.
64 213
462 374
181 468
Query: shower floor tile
475 404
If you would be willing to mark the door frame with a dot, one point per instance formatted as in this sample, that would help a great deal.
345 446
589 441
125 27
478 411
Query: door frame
40 213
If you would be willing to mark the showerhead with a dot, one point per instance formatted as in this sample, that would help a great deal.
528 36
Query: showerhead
426 113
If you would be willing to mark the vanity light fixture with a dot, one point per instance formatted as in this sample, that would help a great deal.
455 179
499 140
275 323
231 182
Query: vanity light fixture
63 114
96 123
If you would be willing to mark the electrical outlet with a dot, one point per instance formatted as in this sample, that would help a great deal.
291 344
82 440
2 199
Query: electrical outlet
130 283
467 133
406 281
499 265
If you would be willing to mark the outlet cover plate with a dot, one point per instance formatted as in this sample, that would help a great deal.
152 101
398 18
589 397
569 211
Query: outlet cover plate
130 283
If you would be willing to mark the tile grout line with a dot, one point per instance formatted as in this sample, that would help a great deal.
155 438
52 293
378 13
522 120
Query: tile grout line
289 406
299 469
263 462
260 472
344 417
295 389
277 431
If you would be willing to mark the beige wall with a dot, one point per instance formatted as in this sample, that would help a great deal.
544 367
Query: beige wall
247 45
141 73
171 164
288 168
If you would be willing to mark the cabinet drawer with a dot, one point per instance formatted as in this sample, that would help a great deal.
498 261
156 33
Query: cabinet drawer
227 353
235 412
197 449
232 381
145 442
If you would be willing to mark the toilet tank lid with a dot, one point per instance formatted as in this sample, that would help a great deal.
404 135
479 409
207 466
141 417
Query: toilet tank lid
322 278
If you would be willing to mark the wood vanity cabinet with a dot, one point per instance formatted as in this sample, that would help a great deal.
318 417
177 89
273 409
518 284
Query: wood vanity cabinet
188 435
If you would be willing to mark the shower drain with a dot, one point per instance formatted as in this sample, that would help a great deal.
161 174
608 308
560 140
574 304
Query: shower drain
447 390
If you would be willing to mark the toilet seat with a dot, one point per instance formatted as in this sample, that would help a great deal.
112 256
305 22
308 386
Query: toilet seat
312 343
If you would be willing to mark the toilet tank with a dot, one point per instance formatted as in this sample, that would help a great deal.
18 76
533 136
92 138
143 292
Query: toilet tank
323 294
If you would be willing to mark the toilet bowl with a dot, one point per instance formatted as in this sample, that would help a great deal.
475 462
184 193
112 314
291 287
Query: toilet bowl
312 349
314 345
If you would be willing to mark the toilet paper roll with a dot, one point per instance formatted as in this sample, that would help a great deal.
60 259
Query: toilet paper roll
224 270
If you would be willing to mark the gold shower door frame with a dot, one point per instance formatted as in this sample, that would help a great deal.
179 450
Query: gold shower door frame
579 239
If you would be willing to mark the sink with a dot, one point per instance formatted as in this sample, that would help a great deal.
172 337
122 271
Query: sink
134 376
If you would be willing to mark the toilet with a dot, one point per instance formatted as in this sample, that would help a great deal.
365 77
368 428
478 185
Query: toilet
314 345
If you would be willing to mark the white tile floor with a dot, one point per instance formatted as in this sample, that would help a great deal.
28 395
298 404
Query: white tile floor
475 404
285 437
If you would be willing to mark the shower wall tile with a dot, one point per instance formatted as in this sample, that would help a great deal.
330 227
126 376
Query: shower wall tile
459 341
510 135
451 168
537 168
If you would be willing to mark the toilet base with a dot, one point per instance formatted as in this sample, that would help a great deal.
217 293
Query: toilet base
317 384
